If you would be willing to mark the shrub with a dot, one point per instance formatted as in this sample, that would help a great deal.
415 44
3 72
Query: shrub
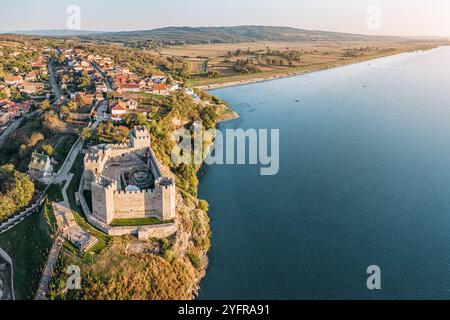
195 260
203 205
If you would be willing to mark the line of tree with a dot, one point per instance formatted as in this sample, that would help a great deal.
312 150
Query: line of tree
16 191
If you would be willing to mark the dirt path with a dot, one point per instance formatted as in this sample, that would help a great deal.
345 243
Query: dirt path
41 293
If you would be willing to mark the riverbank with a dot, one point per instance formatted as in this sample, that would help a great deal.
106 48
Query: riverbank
239 80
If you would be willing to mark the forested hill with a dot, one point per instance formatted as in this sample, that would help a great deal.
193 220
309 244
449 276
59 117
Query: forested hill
191 35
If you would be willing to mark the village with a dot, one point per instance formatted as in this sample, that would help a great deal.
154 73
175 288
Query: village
78 83
82 80
86 139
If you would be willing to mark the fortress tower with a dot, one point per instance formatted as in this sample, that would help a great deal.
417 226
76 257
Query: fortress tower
140 138
112 173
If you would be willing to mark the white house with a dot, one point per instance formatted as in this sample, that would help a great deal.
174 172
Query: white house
40 166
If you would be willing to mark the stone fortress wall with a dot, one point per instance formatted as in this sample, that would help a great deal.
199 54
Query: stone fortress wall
109 201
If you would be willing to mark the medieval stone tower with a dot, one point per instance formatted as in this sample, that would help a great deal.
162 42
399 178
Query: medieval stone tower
111 172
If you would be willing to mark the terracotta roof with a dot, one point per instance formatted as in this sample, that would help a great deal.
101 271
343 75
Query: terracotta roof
159 86
13 78
119 105
31 74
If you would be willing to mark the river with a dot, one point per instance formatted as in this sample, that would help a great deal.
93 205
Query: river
364 180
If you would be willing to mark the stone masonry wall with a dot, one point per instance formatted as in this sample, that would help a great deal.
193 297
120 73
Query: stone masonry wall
139 204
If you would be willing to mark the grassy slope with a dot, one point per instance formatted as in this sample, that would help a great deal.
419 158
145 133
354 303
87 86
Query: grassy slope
28 245
77 170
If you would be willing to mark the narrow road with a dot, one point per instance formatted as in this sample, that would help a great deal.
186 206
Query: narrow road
6 277
13 126
105 78
53 80
47 274
65 174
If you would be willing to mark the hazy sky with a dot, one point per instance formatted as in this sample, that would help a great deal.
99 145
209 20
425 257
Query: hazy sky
397 17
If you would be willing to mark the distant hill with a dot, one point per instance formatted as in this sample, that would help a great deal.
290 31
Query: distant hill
200 35
55 33
205 35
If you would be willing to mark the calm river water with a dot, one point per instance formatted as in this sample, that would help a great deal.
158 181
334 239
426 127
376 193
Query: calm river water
364 180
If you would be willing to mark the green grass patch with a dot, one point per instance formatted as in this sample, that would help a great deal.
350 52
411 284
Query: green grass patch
62 148
54 192
28 244
103 239
50 218
138 222
195 260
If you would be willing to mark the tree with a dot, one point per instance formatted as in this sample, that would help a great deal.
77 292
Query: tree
48 149
16 191
84 82
3 94
86 134
23 150
52 123
35 138
135 119
72 106
45 105
15 94
187 178
65 112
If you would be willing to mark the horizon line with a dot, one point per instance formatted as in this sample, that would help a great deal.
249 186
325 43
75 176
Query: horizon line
18 32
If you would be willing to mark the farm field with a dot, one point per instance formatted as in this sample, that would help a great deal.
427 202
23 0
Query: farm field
211 64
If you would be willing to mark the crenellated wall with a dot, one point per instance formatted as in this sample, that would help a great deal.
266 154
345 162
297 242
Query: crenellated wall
103 199
110 203
139 204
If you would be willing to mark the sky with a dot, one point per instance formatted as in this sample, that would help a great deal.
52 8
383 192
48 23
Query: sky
386 17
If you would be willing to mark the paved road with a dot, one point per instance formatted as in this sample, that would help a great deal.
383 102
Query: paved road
58 94
13 126
53 80
64 174
47 274
6 277
105 78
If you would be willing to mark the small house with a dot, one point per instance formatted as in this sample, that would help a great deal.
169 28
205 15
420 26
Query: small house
40 166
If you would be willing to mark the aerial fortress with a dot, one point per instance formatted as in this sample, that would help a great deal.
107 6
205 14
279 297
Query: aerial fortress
126 181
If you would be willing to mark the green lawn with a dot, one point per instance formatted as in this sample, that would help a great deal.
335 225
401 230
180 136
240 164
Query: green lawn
62 148
138 222
28 245
54 192
104 239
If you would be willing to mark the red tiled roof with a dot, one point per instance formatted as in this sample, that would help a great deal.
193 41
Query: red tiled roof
159 86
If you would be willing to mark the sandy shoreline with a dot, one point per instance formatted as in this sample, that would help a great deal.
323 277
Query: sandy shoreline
312 69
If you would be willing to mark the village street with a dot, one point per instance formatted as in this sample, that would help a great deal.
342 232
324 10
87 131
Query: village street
64 174
13 126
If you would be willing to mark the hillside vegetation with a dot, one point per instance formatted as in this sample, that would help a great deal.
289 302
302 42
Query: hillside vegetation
16 191
202 35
